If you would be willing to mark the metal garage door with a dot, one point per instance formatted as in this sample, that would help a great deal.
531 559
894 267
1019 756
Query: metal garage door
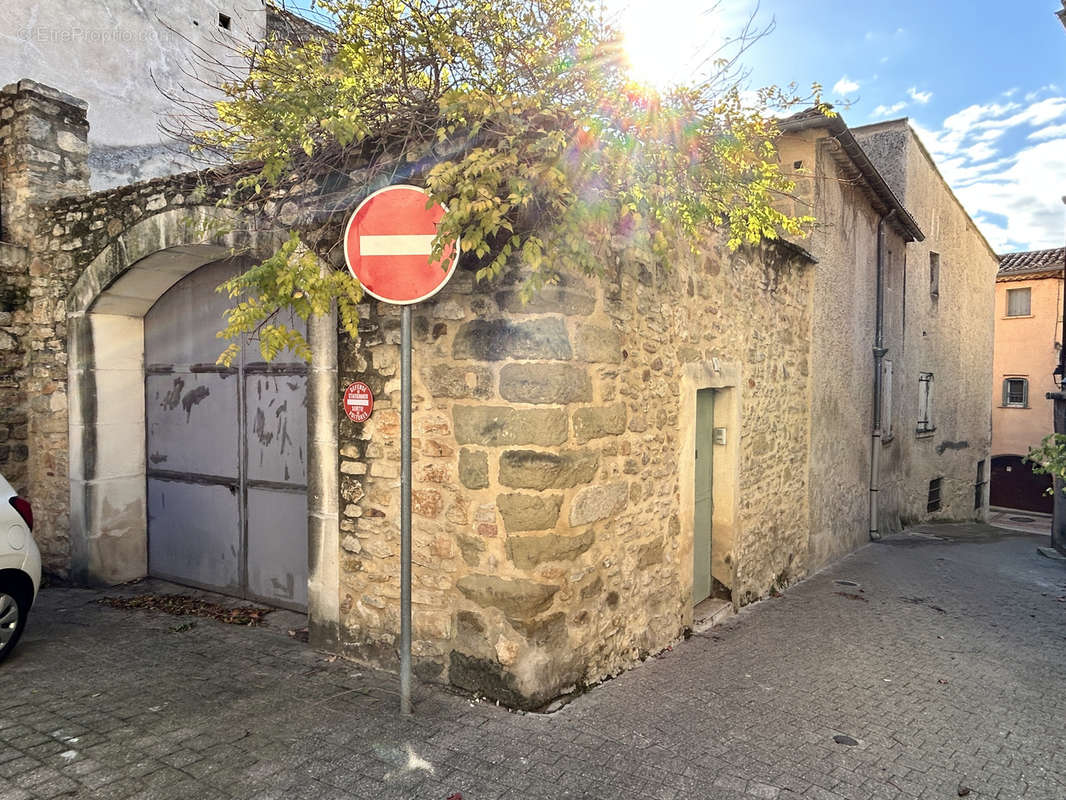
227 453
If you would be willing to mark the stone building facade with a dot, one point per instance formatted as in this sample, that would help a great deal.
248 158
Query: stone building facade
947 335
889 225
558 530
553 488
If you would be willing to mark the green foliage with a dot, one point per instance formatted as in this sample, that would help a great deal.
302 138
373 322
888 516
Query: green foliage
520 117
1049 457
292 278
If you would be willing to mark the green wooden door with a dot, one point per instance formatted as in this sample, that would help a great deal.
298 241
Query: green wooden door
701 545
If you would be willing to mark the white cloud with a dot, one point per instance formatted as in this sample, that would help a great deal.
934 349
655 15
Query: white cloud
1050 132
1027 193
845 86
919 97
993 183
884 111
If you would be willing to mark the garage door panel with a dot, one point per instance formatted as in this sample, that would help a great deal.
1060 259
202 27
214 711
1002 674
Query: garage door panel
277 428
194 533
193 423
277 546
185 321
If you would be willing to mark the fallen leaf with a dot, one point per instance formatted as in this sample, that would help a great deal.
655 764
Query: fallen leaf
186 605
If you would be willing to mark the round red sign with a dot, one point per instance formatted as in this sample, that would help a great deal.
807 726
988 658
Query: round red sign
388 244
358 402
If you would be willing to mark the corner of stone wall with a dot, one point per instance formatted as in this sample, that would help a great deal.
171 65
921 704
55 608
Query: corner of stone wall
43 157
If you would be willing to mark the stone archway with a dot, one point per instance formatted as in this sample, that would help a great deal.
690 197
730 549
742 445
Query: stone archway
105 333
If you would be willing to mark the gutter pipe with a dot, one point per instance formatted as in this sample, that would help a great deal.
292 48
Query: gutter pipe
879 355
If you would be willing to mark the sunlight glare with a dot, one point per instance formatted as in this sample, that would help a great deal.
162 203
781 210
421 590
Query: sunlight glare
666 40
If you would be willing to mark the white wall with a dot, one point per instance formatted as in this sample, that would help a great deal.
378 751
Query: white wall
121 56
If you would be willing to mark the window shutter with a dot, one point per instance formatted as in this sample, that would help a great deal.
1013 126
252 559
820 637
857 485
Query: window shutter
1018 304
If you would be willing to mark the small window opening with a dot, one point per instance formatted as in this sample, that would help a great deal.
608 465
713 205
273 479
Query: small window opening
933 503
925 403
934 275
797 165
1018 302
979 487
1016 393
223 21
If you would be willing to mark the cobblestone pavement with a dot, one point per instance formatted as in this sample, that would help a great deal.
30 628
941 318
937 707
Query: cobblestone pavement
945 664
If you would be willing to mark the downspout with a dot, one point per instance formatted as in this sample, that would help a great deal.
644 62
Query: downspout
879 355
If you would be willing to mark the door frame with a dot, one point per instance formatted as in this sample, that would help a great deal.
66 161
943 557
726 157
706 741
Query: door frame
105 344
725 378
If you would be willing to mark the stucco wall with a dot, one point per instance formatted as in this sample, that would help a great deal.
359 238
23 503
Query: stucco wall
949 335
121 57
842 339
1025 348
551 542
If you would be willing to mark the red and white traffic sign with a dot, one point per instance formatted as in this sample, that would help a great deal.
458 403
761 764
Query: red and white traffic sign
358 402
388 244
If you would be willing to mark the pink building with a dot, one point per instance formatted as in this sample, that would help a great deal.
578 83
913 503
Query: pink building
1029 289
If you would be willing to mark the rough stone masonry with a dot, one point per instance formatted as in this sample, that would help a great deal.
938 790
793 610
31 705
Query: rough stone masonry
552 488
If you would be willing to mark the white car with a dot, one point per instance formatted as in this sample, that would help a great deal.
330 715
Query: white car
20 566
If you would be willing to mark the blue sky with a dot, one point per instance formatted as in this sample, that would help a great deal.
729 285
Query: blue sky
982 82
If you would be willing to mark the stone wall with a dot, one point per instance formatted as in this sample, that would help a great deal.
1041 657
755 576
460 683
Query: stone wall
554 441
549 443
42 158
842 340
948 333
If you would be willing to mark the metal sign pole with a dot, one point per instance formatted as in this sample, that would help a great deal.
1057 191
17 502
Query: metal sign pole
405 511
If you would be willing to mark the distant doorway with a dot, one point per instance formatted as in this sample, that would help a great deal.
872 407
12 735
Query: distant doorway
1015 485
702 582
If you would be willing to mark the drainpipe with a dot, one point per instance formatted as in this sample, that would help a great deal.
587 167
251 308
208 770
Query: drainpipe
879 355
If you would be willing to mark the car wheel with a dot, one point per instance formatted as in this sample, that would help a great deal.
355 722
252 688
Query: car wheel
13 611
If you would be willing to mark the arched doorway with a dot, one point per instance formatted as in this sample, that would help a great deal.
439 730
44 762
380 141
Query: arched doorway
227 451
1015 485
107 413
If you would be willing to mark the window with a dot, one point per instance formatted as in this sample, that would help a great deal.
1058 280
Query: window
933 501
1018 302
1016 392
886 400
925 403
934 275
979 487
224 21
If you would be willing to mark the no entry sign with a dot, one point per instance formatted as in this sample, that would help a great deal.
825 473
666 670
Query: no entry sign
358 402
388 243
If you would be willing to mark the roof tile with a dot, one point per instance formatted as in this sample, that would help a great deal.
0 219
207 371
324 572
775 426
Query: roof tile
1032 261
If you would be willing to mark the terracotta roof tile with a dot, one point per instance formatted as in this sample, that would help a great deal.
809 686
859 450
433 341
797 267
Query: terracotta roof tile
1032 261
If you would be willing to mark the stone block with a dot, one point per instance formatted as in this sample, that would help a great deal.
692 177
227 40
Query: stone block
496 426
529 512
551 299
598 502
599 421
462 383
528 551
650 554
502 339
599 345
545 383
517 598
534 469
473 468
427 503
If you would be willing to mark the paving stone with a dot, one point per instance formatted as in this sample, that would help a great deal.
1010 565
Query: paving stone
745 710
